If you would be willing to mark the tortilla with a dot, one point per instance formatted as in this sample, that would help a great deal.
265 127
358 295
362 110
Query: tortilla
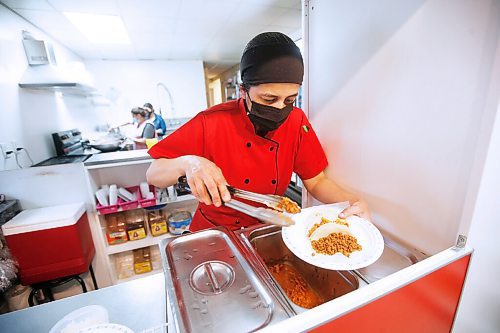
327 229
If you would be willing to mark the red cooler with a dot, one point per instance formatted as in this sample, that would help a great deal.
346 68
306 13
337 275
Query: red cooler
50 242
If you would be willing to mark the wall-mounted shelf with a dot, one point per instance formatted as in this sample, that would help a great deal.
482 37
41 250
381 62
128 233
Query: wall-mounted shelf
136 244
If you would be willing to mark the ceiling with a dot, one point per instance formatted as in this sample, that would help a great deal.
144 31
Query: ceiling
215 31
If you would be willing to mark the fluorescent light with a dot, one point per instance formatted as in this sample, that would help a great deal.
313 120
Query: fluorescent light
101 29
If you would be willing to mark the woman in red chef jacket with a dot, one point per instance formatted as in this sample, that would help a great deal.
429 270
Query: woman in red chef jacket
253 143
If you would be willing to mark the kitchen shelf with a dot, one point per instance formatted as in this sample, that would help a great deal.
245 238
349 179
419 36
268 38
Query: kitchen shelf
138 276
185 197
127 169
182 198
136 244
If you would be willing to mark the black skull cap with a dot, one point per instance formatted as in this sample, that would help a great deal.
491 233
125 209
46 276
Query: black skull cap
271 57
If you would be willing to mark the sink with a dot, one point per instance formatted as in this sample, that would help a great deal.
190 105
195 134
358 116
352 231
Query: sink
266 243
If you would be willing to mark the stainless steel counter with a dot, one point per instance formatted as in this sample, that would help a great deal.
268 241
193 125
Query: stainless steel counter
138 304
118 157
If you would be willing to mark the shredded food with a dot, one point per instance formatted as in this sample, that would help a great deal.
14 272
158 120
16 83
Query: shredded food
288 206
294 286
336 242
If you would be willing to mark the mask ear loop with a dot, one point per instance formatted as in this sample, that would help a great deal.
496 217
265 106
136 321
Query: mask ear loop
246 106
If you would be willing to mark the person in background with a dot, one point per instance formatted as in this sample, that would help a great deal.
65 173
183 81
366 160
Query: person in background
144 128
157 119
254 143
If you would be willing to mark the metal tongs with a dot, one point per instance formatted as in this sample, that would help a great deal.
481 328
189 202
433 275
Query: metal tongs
272 215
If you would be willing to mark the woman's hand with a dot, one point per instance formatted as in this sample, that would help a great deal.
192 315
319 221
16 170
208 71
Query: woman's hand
359 208
326 190
206 181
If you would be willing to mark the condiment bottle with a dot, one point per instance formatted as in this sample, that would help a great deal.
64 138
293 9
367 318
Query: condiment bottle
157 222
116 232
136 228
142 261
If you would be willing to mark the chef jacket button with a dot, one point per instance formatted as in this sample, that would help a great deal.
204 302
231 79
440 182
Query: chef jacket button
249 144
271 148
247 181
273 181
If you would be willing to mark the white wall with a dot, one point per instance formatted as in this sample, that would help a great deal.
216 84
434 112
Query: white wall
480 303
405 97
29 117
132 83
397 94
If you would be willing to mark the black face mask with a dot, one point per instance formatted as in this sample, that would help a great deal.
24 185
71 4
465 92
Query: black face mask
267 118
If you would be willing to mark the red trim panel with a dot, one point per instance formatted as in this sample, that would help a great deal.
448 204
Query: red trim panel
426 305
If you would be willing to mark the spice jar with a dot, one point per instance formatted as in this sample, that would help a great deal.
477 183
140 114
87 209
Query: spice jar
136 227
142 261
179 221
157 222
116 232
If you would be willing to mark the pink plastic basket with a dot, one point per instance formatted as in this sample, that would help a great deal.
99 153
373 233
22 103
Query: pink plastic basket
106 209
126 205
148 202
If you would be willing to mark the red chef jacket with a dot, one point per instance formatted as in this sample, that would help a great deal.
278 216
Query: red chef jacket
225 135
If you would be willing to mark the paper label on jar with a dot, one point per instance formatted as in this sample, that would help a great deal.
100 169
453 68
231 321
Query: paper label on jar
137 234
118 234
159 228
142 267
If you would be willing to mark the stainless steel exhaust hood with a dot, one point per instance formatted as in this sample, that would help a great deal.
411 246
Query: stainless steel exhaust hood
43 75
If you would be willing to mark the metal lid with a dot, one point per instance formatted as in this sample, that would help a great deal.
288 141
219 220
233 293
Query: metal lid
211 277
179 216
212 286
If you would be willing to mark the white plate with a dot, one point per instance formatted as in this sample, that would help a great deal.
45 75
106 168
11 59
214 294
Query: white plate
106 328
368 236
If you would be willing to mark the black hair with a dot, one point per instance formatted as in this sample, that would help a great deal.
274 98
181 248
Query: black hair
140 111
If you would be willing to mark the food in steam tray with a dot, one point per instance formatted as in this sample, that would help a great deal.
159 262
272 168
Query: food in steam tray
331 237
288 205
294 286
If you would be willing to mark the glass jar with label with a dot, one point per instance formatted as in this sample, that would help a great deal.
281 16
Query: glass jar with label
136 226
142 261
157 222
116 232
179 221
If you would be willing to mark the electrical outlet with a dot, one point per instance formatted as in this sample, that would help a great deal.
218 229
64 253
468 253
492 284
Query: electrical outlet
16 147
6 149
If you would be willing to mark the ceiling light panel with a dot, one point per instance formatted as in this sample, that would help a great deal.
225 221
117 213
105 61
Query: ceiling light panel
100 29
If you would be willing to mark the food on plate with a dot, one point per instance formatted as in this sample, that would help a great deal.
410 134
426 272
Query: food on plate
294 286
288 206
330 237
329 223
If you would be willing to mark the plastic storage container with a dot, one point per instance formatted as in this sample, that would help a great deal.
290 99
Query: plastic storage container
116 232
157 222
136 226
50 242
124 264
147 202
131 204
